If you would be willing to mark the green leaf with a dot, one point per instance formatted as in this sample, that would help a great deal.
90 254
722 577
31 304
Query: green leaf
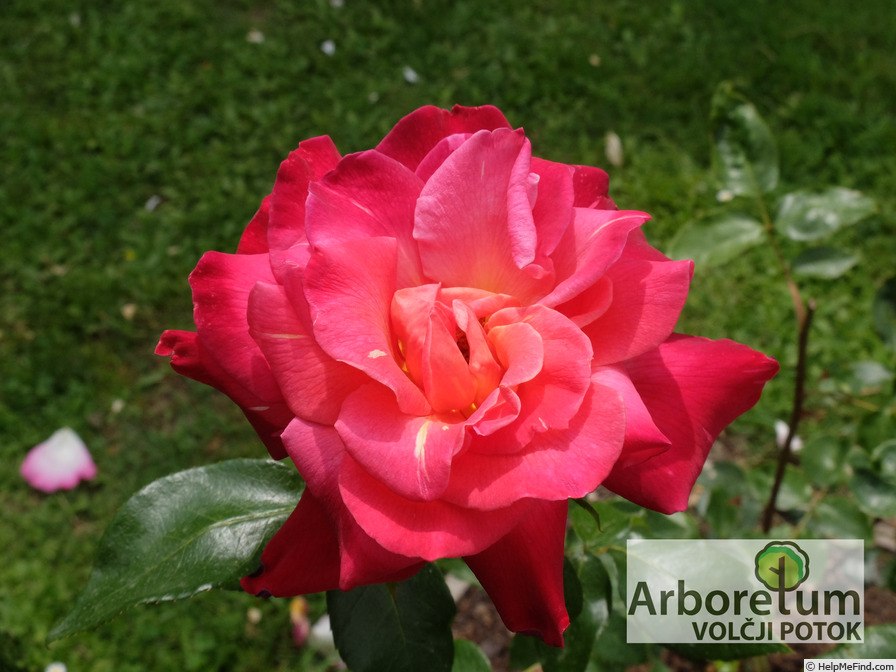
614 524
868 377
823 262
613 652
823 458
401 627
744 156
837 517
192 531
874 493
469 658
883 310
804 215
720 240
880 642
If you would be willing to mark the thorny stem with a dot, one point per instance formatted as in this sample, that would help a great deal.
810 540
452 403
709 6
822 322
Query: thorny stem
796 414
804 316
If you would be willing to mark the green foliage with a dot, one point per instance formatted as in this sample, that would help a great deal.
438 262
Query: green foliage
469 658
189 532
395 628
823 262
884 310
717 240
806 216
745 155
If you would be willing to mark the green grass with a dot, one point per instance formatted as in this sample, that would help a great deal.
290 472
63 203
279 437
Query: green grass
106 105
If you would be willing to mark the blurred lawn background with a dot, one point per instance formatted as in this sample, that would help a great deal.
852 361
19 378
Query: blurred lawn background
137 135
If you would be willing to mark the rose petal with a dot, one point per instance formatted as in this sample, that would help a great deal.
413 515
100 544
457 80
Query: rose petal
642 437
595 240
553 466
313 384
221 284
523 574
349 287
189 358
365 196
553 210
412 138
59 463
309 162
427 337
319 454
410 455
429 530
551 395
693 388
591 186
647 300
474 224
302 557
255 238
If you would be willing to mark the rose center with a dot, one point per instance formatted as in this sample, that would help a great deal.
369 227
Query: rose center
463 345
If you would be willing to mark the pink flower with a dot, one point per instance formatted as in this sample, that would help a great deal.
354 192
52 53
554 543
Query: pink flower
450 338
59 463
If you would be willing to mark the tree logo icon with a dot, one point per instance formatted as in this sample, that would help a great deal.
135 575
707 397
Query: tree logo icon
782 566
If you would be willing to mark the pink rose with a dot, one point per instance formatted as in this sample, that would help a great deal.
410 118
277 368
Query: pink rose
450 338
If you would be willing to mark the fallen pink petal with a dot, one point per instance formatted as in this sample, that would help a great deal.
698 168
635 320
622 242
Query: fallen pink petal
59 463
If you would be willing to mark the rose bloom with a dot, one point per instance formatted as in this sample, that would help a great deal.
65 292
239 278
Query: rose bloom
450 338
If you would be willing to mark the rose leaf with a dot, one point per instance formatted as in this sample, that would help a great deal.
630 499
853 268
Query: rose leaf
395 627
189 532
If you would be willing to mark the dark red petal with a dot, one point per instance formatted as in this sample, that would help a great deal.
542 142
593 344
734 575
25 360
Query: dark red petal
302 557
413 137
523 573
190 359
693 388
255 238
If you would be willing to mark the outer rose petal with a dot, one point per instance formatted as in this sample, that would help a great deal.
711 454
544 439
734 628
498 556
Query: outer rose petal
189 358
302 557
647 299
367 195
221 284
591 188
415 135
523 573
314 384
319 454
693 388
255 238
59 463
642 437
312 159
